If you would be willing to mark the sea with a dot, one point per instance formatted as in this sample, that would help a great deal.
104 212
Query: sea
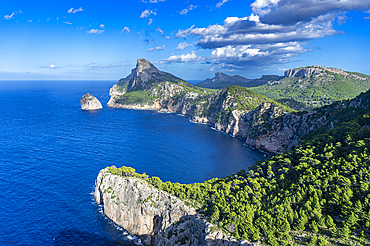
51 152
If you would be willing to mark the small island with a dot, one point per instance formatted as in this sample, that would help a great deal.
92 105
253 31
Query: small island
89 102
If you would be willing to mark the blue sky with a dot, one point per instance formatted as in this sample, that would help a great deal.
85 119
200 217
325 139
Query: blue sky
74 40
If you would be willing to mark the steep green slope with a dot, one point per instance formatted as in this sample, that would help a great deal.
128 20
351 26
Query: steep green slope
302 88
314 195
316 86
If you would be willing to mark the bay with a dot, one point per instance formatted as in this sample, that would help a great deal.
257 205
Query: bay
51 152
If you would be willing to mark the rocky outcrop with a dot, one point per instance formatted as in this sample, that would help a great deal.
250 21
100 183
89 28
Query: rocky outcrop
306 71
156 217
89 102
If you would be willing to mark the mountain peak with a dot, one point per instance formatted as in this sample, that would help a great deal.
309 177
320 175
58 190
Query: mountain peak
143 65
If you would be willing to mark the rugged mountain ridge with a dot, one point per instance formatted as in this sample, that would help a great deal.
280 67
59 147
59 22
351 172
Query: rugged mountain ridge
222 80
234 110
263 123
153 215
304 88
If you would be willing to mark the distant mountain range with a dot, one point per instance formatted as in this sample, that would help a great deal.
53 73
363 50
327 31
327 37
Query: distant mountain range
300 88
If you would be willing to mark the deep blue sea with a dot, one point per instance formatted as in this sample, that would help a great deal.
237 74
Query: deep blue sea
51 152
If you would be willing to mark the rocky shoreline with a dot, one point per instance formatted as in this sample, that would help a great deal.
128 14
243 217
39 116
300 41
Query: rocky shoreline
155 216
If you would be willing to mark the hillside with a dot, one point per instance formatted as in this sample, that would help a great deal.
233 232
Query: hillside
306 87
234 110
222 80
316 194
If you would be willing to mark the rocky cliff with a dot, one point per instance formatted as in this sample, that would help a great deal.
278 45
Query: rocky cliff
156 217
264 123
89 102
234 110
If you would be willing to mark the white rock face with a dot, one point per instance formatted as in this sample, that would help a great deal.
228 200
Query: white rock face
151 214
89 102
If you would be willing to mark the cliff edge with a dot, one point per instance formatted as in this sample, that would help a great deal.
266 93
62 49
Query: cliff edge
155 216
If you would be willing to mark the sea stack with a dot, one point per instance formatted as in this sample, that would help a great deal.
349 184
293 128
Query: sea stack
89 102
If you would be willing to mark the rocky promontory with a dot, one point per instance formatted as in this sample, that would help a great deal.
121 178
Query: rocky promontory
155 216
89 102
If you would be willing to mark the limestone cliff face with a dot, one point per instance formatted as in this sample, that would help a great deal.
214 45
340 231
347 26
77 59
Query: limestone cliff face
262 122
304 72
89 102
156 217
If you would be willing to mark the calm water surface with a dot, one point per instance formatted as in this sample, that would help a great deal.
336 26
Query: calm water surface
51 152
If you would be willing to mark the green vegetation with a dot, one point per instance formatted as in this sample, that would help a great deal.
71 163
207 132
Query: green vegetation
135 96
303 93
315 90
317 194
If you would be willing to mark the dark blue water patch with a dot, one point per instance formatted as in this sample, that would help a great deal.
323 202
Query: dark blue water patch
51 152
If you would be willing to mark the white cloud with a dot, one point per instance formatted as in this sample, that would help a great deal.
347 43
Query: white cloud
67 22
8 17
102 26
95 31
184 58
126 29
185 11
218 5
51 66
160 31
157 48
153 1
73 10
146 13
150 22
288 12
167 37
183 46
274 33
249 30
48 20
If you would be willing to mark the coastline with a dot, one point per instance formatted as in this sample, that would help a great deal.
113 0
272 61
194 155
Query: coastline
212 126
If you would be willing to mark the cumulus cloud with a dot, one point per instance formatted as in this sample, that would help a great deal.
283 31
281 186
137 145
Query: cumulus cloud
102 26
157 48
183 45
288 12
74 11
146 13
126 29
185 11
187 58
250 30
275 32
150 22
256 55
95 31
8 17
218 5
